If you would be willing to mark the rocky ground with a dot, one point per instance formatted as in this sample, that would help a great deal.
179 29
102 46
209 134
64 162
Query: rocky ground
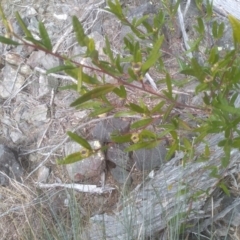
35 116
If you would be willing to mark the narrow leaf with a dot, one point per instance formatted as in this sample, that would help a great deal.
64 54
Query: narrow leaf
80 79
121 139
44 36
107 50
141 123
101 111
72 158
23 25
158 107
141 145
153 56
125 114
224 188
60 68
121 91
136 108
78 29
146 134
95 93
167 113
36 42
141 20
79 140
8 41
235 23
169 84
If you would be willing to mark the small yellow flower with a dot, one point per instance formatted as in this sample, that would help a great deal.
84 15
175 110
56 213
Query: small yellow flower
208 79
84 153
135 137
136 67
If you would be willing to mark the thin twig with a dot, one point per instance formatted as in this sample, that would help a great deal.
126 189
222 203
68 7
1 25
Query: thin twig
151 81
79 187
182 27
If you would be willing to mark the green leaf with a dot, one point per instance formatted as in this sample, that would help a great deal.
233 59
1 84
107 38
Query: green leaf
5 23
236 143
154 55
90 105
137 56
36 42
44 36
235 23
214 29
73 72
146 134
121 139
167 113
200 27
107 67
198 69
169 85
158 107
207 151
129 45
60 68
141 145
69 87
224 188
79 140
221 30
147 26
141 123
101 111
107 50
79 79
121 92
171 151
115 8
72 158
8 41
188 71
80 35
201 87
136 108
91 45
118 65
95 93
125 114
228 108
23 25
141 20
213 55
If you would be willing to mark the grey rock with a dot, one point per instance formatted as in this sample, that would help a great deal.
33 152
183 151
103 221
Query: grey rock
43 174
103 130
115 153
121 175
9 165
36 114
11 83
92 166
148 159
17 137
39 58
